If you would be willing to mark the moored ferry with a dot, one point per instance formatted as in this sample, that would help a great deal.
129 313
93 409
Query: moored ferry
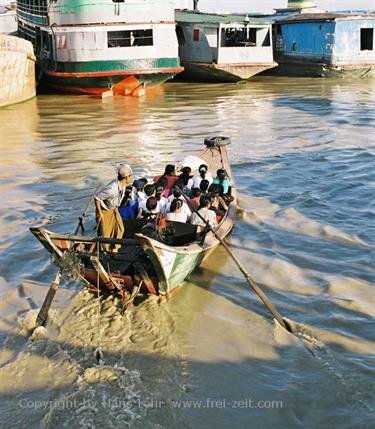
223 48
90 47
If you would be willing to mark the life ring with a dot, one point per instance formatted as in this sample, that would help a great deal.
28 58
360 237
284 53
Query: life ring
216 141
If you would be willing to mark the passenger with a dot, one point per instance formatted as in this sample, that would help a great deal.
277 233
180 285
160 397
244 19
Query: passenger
218 204
204 186
163 182
223 180
177 214
107 201
203 175
162 201
151 209
195 198
170 176
149 191
177 194
185 181
205 211
129 207
138 193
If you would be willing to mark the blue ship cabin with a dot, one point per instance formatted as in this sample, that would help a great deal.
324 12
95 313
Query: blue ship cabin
325 44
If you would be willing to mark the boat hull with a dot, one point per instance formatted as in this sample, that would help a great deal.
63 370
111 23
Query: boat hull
313 69
224 72
98 77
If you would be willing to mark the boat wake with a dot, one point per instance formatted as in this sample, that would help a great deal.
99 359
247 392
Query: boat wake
330 362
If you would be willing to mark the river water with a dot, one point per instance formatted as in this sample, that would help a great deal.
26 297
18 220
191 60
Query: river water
303 156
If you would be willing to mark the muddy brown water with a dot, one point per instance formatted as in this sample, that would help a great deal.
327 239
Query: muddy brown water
303 156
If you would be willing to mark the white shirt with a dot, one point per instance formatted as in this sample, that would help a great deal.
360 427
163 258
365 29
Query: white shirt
163 205
111 195
197 180
177 217
207 214
184 209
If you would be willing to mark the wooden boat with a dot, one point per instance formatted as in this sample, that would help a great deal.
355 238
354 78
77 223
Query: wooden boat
147 261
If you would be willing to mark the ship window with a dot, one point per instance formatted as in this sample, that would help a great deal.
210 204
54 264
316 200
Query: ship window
33 7
117 39
294 46
196 35
367 39
180 35
243 37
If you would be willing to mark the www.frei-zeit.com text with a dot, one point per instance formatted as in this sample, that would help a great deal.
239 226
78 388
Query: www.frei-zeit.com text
246 403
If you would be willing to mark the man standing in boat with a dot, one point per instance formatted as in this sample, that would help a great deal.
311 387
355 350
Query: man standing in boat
107 200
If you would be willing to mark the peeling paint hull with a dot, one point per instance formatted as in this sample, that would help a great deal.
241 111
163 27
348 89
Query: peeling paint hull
311 69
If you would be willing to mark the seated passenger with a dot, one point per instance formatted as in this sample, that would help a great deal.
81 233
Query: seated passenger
177 214
195 198
151 209
129 207
162 201
170 176
207 214
138 193
203 175
218 204
204 186
149 191
177 194
185 181
223 180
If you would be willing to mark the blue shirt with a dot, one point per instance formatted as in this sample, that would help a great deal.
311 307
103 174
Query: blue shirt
129 211
226 183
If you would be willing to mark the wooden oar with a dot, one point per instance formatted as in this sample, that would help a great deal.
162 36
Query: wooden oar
43 313
250 281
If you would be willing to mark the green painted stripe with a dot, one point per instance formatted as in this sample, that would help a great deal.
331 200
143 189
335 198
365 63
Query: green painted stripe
104 81
183 265
120 65
36 19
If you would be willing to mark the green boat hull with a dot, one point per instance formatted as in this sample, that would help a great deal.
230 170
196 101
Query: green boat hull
99 76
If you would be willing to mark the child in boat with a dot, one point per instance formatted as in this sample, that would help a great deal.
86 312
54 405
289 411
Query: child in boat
170 176
205 211
176 211
195 198
203 175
